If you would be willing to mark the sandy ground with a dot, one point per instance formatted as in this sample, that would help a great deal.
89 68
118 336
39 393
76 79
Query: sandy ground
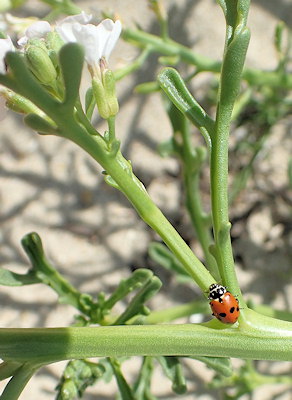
93 235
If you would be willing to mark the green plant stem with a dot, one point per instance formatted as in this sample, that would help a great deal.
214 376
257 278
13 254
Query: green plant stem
111 129
46 345
124 389
271 312
131 67
83 119
171 48
7 369
219 199
201 307
118 168
106 154
143 382
173 313
18 382
191 174
237 39
47 274
199 219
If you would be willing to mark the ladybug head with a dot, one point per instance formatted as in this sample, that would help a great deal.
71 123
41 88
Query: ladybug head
216 291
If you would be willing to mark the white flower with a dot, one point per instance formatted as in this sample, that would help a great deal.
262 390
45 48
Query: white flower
82 18
98 41
38 30
6 45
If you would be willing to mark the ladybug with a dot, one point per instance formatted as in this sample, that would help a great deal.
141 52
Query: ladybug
223 304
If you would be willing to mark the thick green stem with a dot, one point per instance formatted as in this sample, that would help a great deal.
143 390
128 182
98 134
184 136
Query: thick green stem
234 57
219 196
46 345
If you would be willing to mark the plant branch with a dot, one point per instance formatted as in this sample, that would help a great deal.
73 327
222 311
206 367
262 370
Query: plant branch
237 39
46 345
171 48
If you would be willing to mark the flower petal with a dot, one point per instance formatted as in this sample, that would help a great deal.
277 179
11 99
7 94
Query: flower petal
98 41
86 35
65 30
38 30
109 33
82 19
6 45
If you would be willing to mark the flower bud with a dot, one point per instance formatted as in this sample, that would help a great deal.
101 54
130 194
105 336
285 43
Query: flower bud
105 94
110 92
19 104
100 99
54 43
39 62
69 390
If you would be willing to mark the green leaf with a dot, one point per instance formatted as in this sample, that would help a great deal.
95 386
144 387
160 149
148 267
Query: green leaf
19 380
221 365
24 83
278 36
89 103
173 85
232 68
147 87
136 305
110 181
173 370
9 278
169 60
40 125
143 383
48 275
160 253
176 117
71 61
124 389
166 148
138 278
8 368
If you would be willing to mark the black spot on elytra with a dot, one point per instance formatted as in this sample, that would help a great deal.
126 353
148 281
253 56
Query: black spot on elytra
232 309
222 314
